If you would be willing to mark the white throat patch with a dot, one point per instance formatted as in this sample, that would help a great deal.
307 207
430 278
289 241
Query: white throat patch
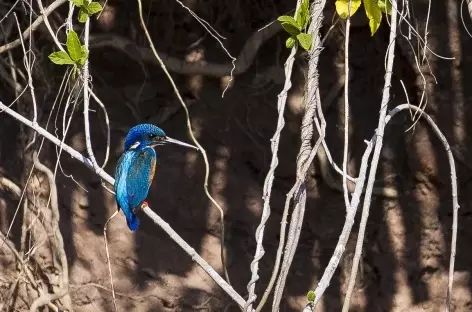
135 145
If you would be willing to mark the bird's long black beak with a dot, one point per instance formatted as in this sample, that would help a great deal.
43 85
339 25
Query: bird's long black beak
174 141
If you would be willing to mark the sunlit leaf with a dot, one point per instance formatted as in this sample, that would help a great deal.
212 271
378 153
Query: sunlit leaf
311 296
94 7
374 14
83 57
74 72
290 43
73 46
342 7
289 24
305 41
61 58
385 6
83 15
303 14
78 3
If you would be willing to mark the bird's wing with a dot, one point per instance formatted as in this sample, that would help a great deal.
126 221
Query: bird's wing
140 175
118 171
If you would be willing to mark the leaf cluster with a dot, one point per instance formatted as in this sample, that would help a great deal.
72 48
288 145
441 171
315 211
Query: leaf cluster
296 27
76 54
86 9
373 10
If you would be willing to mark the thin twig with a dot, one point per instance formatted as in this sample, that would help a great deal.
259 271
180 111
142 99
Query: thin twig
108 258
375 158
455 201
192 136
267 190
51 8
305 156
58 242
346 105
151 214
217 37
85 80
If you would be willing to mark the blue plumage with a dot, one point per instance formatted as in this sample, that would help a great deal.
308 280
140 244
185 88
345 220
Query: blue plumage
136 167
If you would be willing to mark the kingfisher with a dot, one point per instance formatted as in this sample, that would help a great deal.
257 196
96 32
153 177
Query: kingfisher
136 167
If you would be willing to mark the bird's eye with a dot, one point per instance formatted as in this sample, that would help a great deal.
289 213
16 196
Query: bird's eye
152 136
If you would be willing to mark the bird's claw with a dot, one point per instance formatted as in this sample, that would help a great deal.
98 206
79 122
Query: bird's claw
140 207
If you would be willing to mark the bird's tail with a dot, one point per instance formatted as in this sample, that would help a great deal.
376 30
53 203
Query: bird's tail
132 221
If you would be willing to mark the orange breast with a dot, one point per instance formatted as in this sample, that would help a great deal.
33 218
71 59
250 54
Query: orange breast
153 170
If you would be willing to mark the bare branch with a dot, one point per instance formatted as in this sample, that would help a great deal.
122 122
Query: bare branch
375 158
267 190
192 136
58 242
151 214
34 26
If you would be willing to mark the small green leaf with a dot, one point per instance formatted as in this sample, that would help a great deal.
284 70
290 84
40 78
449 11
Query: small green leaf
290 42
84 55
73 46
74 72
303 14
311 296
305 6
78 3
83 50
289 24
305 41
342 7
95 7
374 14
61 58
385 6
83 15
81 61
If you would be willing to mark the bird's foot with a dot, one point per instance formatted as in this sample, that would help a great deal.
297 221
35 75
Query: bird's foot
140 207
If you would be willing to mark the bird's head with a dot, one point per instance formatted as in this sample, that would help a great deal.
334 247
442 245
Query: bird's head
148 135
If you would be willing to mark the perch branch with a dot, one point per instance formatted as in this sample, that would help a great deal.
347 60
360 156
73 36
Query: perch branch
151 214
192 136
192 253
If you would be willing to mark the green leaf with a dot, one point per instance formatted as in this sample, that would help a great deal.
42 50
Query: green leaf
83 50
61 58
311 296
374 14
78 3
303 13
289 24
290 42
83 57
95 7
74 72
305 41
385 6
342 7
83 15
73 46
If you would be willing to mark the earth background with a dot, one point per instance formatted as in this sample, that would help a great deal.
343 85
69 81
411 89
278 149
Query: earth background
407 246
